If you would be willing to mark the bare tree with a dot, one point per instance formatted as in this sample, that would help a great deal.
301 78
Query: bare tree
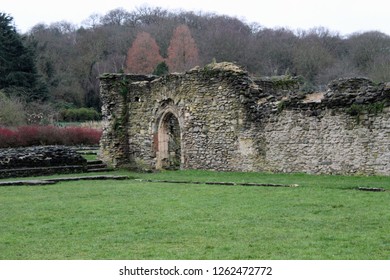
116 17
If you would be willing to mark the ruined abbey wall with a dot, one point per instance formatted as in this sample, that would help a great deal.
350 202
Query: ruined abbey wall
220 118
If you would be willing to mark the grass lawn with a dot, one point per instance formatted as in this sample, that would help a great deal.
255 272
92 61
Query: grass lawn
90 156
323 218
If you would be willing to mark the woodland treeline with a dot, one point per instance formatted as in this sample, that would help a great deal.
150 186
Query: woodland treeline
69 58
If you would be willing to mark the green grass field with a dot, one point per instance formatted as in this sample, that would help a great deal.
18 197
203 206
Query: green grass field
323 218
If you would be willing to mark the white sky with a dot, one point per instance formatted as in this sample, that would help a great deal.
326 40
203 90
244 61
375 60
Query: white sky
343 16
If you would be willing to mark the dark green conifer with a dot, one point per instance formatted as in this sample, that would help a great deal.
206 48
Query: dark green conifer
18 74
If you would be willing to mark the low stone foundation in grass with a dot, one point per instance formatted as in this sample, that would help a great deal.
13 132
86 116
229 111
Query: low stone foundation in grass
52 181
40 160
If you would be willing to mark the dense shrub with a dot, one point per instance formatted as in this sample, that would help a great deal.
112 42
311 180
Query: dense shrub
8 137
80 115
48 135
11 111
81 136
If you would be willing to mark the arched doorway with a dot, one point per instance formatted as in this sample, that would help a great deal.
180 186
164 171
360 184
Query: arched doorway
169 142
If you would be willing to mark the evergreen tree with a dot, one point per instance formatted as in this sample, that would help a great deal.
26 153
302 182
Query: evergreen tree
18 74
161 69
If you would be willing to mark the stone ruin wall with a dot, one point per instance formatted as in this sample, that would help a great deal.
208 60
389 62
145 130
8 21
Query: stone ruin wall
345 130
229 121
40 160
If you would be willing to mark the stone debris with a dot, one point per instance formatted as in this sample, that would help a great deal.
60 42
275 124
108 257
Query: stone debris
39 156
40 160
370 189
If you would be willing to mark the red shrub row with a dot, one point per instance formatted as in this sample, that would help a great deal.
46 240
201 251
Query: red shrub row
48 135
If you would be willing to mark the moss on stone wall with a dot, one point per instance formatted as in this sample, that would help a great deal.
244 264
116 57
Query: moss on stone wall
357 110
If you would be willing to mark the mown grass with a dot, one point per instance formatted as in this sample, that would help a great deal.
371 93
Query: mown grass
323 218
90 156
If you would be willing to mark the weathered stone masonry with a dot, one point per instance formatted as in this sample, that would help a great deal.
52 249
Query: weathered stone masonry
40 160
220 118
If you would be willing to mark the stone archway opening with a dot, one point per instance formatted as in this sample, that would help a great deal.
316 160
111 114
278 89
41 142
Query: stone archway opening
169 142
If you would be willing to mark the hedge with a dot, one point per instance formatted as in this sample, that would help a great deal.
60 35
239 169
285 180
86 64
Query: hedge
80 115
48 135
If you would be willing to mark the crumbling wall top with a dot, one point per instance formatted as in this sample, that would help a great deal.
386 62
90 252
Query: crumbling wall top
132 77
286 89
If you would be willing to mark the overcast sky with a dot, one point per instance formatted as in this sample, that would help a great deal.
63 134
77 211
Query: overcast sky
343 16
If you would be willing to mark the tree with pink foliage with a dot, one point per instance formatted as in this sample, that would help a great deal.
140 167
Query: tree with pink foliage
144 55
183 53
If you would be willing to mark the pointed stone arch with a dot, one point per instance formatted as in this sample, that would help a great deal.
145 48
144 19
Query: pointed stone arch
167 142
